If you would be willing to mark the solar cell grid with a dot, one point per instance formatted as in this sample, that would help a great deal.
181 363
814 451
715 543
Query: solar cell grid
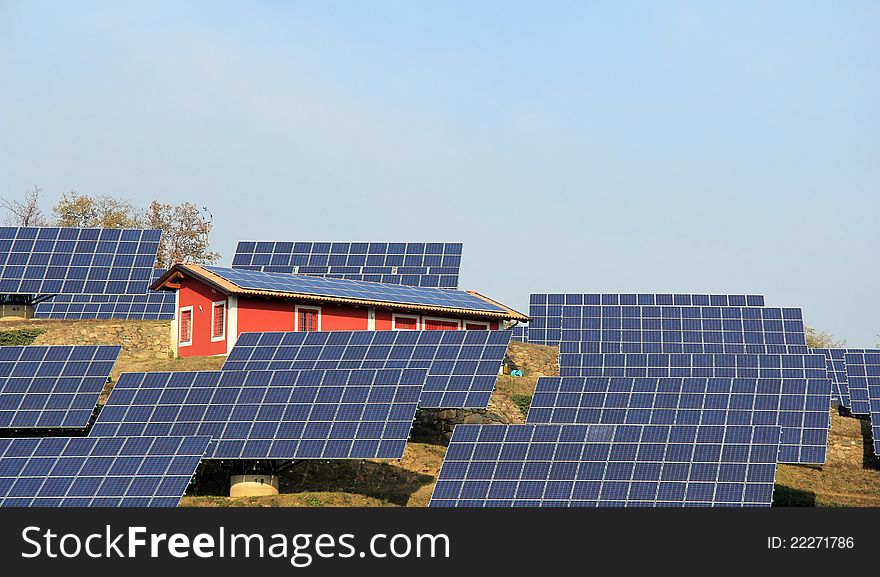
836 369
462 365
343 288
152 305
799 406
520 333
96 472
415 264
667 329
52 386
862 373
335 414
76 260
608 466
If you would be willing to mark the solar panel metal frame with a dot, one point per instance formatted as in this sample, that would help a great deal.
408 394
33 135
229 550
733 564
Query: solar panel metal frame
462 365
97 472
52 260
799 405
836 369
601 465
334 414
43 387
352 289
433 264
152 305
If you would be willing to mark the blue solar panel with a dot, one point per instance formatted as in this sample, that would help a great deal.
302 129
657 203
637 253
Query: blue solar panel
862 373
351 289
432 264
798 405
588 328
76 260
92 472
836 368
152 305
462 365
52 386
358 414
608 466
765 366
520 333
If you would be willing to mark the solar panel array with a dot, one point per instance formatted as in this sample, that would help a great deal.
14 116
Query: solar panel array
765 366
76 260
152 305
836 369
608 466
432 264
862 373
520 333
334 414
52 386
368 291
667 329
797 404
462 365
94 472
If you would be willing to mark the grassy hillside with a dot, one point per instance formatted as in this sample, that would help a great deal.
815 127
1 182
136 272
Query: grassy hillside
851 476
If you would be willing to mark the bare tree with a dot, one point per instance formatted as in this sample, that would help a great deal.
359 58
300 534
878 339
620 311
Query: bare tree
185 231
822 339
26 213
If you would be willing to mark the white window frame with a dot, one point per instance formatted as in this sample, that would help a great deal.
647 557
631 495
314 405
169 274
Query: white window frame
466 322
214 305
395 316
441 319
296 310
192 320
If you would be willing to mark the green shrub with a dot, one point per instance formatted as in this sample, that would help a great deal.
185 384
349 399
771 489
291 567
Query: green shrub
523 402
19 337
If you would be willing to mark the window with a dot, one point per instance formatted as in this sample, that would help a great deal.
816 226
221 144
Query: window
476 326
430 324
218 324
405 323
185 327
308 319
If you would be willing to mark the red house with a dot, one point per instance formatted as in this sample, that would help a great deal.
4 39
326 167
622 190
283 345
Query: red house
214 305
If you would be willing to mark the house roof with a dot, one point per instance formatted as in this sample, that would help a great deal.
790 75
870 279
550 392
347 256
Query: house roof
318 289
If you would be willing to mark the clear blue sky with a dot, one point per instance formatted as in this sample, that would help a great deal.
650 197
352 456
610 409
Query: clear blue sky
572 146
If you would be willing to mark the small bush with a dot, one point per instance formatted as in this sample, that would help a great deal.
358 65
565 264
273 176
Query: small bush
523 402
19 337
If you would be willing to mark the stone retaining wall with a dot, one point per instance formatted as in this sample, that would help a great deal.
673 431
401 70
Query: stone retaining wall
440 422
145 339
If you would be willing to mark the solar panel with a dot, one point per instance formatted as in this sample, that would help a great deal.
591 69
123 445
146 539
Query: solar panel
865 373
92 472
764 366
52 386
432 264
76 260
356 414
836 369
462 365
520 333
152 305
862 373
368 291
798 405
588 328
608 466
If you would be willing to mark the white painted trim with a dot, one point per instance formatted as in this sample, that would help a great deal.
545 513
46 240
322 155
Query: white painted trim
214 305
466 322
456 321
232 323
296 310
175 323
192 322
394 317
371 319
